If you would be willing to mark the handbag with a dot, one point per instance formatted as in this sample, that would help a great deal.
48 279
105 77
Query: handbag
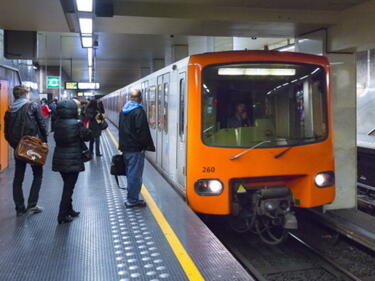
30 149
118 167
103 125
86 155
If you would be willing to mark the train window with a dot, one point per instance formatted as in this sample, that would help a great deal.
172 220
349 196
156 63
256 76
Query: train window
182 108
152 107
165 107
272 104
160 109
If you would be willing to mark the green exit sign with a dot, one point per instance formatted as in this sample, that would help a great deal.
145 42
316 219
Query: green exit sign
53 82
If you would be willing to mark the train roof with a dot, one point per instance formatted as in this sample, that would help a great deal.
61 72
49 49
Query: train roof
251 55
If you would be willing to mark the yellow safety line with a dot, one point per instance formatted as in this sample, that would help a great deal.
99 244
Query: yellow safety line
188 265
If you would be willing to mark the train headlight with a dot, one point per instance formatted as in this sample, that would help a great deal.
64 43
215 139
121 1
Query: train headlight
325 179
208 187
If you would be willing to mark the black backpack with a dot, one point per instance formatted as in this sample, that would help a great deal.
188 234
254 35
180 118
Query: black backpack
118 167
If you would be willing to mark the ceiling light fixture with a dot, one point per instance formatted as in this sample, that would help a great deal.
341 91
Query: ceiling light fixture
85 25
84 5
89 56
90 74
257 71
86 41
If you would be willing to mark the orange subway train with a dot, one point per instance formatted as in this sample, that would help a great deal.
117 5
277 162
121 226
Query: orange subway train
247 134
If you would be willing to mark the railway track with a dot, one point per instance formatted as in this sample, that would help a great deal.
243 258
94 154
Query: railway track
315 253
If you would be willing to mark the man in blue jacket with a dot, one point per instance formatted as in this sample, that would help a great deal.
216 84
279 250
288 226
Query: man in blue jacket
135 139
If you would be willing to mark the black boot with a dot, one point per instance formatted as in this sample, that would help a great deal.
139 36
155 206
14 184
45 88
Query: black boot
74 214
65 219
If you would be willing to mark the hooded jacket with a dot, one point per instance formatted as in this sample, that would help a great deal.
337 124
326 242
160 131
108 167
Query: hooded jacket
134 131
34 122
69 137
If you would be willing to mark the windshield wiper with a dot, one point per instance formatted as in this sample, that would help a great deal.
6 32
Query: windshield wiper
301 141
207 129
247 150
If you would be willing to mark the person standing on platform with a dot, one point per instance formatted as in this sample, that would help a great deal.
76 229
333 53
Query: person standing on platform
45 111
94 117
27 114
135 139
53 106
70 135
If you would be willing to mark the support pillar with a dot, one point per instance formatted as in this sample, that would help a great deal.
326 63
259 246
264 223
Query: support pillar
343 92
175 53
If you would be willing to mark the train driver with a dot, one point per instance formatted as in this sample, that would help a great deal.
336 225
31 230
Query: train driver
240 118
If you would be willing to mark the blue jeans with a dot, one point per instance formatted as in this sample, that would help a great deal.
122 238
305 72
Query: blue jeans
134 164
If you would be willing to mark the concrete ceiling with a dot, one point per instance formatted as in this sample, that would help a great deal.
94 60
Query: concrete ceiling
139 31
46 15
274 4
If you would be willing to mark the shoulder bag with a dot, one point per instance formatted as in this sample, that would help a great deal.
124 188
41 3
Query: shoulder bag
118 167
30 149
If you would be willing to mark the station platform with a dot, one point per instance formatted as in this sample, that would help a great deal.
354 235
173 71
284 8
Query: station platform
351 223
164 241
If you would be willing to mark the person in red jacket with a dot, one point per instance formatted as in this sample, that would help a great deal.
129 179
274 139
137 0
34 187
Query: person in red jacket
46 111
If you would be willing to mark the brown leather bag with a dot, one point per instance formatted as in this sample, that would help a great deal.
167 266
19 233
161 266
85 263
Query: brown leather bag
31 149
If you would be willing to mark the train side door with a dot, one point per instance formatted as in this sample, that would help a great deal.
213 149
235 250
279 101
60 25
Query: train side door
160 122
3 108
181 140
165 127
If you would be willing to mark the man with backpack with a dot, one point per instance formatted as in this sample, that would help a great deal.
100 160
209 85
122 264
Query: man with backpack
24 118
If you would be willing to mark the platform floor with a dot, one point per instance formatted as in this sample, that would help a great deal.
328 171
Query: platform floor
352 223
165 241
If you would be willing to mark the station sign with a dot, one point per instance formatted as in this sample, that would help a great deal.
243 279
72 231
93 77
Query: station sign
88 86
71 85
53 82
80 94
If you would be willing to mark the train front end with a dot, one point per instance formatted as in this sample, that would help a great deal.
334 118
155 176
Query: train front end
259 136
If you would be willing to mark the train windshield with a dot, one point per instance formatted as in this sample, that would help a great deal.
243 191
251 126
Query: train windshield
281 103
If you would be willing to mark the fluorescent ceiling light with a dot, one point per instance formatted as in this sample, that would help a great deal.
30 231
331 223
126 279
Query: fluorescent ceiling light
85 25
84 5
86 41
89 56
258 71
90 74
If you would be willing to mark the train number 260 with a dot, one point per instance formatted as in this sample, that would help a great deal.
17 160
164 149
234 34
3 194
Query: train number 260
208 169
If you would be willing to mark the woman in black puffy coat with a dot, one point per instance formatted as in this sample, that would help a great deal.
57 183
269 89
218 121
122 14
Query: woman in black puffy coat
70 135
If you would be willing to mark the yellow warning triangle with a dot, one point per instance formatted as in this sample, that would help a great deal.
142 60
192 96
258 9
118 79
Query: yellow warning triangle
241 189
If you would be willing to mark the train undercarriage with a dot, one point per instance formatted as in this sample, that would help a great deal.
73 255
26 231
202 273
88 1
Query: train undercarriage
266 211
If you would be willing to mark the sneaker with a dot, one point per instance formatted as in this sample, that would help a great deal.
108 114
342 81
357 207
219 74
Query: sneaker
139 203
35 210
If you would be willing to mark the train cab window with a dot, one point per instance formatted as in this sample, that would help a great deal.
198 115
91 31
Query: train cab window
182 108
275 104
165 107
